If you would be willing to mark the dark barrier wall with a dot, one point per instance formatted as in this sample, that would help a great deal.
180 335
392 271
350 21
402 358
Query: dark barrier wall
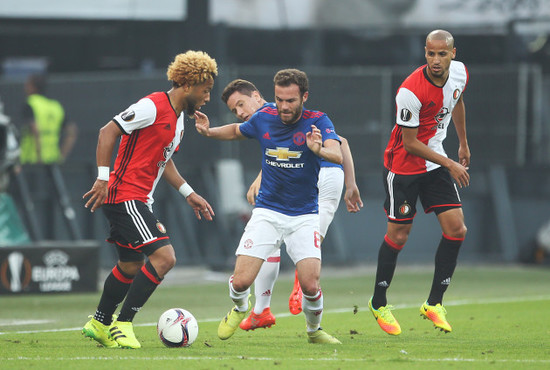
360 101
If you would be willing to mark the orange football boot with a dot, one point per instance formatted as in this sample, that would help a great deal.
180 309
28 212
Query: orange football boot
295 300
255 321
385 319
437 314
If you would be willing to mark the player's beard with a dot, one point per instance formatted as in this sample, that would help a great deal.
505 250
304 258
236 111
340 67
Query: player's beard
191 105
295 116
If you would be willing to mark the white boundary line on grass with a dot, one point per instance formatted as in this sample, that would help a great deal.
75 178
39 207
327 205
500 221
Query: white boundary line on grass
16 322
271 359
338 310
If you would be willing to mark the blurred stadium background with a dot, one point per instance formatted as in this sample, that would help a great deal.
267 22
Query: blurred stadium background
102 56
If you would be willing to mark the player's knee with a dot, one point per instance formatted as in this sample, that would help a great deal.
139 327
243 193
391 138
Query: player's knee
399 237
131 268
166 264
310 288
170 262
163 264
240 284
163 259
459 231
462 231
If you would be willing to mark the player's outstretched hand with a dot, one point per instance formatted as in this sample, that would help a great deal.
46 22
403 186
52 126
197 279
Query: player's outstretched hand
460 173
352 197
200 206
97 194
314 139
202 124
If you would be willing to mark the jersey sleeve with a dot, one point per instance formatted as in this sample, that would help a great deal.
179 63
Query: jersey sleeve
137 116
248 128
408 108
327 128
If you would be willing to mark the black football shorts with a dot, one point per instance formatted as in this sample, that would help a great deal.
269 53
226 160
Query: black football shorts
135 230
436 190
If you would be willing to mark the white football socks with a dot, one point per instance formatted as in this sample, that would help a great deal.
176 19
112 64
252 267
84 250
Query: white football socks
263 285
313 309
240 298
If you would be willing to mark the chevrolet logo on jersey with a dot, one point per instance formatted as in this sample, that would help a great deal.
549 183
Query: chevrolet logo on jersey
282 154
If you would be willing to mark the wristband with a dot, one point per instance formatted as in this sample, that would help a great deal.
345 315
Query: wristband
103 173
186 190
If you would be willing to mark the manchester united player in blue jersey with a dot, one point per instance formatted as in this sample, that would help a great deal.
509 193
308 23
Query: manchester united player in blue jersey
293 141
243 99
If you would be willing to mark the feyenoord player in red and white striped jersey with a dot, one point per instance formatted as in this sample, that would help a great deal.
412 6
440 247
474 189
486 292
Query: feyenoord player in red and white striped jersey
151 131
423 105
416 166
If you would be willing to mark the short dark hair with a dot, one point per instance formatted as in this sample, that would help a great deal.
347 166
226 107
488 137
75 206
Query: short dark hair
287 77
243 86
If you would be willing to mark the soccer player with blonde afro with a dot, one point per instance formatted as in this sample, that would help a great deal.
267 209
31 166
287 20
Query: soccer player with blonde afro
150 132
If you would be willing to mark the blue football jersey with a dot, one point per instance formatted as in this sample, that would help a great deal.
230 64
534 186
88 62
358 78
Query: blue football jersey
290 170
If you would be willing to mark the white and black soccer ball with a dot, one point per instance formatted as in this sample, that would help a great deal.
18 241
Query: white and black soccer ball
177 328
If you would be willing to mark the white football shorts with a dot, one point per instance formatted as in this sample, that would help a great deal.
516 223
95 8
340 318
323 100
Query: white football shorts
267 230
330 184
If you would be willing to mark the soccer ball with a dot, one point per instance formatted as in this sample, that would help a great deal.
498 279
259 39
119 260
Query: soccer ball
177 328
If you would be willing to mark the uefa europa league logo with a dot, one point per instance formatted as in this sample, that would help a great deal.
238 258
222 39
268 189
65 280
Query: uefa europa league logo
15 272
15 263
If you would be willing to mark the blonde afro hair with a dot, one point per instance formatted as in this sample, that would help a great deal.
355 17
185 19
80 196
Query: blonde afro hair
192 68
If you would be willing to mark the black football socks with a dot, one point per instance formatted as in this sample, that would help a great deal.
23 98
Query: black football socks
114 290
145 283
445 263
387 260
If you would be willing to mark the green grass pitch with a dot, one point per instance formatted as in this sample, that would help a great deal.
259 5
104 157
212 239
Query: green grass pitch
499 314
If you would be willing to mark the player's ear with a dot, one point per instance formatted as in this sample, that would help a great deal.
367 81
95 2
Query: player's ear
305 96
256 95
185 87
454 53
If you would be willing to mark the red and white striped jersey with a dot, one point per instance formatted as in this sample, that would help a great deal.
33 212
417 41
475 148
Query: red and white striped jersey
420 103
152 134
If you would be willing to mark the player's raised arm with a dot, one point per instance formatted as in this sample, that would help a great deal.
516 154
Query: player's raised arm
328 150
226 132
